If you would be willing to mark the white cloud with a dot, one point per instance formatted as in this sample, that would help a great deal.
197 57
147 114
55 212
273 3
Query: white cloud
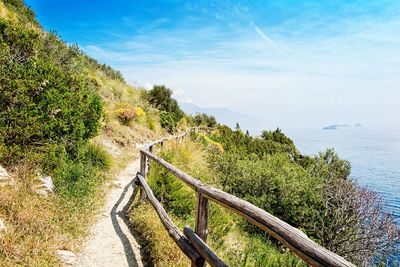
351 73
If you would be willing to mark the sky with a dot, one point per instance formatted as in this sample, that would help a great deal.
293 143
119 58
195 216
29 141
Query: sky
289 63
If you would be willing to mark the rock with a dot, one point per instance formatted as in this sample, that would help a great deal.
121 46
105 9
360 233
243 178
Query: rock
67 257
45 187
3 227
3 172
111 147
5 178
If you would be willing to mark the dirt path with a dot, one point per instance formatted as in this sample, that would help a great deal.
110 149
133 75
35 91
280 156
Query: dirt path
110 242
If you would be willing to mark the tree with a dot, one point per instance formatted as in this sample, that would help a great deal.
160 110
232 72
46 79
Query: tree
205 120
354 225
160 97
276 136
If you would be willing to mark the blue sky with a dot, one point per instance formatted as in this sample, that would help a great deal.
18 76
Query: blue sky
288 62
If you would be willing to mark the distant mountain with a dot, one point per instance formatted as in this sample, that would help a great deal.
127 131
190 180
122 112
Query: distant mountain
223 115
336 126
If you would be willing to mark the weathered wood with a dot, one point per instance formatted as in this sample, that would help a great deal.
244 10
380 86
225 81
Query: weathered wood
202 217
143 172
201 227
183 243
203 249
290 236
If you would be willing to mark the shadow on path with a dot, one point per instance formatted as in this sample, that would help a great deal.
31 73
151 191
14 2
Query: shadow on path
118 212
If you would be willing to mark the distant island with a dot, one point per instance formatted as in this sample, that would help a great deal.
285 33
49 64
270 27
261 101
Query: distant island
336 126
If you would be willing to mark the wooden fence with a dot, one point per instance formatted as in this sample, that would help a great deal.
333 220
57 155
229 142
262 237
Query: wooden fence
193 243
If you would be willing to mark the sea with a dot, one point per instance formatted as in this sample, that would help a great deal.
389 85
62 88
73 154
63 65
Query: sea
373 152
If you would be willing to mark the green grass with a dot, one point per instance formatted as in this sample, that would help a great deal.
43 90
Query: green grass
227 236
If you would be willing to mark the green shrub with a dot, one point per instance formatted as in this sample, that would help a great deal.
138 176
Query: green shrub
205 120
171 192
96 155
26 14
274 184
167 121
40 103
17 43
160 97
76 176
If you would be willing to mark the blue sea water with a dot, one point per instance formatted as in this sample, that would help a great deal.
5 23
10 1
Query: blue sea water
374 154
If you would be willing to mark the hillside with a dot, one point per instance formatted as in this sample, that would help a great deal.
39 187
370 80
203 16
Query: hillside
68 126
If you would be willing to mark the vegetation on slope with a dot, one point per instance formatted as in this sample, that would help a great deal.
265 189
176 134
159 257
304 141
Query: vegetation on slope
64 115
313 194
227 236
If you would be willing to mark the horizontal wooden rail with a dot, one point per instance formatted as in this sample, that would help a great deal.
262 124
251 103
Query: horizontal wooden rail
183 243
150 144
290 236
203 249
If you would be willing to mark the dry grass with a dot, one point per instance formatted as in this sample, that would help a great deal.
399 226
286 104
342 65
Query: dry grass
31 235
38 227
5 13
116 93
155 239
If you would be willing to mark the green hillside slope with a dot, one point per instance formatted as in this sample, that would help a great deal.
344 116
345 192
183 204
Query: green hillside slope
63 115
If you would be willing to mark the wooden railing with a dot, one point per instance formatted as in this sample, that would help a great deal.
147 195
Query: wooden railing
193 244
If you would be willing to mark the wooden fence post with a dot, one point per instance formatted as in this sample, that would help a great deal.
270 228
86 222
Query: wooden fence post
201 221
143 172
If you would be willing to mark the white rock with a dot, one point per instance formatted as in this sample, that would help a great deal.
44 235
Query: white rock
5 178
3 227
3 172
67 257
45 187
111 147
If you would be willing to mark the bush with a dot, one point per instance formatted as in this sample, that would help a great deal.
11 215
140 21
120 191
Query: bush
76 176
17 44
167 121
27 14
98 156
210 144
274 184
314 194
40 103
127 113
160 97
172 193
205 120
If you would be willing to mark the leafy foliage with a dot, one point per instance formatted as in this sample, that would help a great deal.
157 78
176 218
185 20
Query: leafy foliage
226 235
26 14
205 120
160 97
314 194
41 104
274 184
